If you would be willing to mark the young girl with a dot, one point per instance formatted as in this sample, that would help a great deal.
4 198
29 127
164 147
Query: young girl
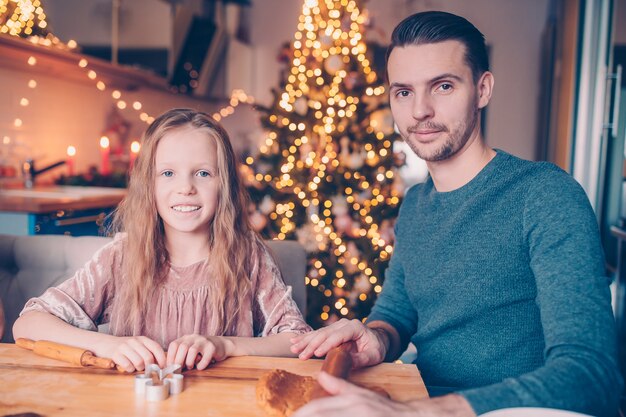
188 274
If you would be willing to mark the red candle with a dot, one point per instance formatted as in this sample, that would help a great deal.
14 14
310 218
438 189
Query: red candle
134 150
71 152
105 166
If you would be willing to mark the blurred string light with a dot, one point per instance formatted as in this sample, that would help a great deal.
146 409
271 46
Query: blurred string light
237 97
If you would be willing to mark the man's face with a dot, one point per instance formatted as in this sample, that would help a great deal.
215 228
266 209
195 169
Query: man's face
434 100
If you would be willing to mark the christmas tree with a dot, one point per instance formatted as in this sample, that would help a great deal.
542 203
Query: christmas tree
325 172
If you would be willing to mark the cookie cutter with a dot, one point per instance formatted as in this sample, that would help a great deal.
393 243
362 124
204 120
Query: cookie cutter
169 382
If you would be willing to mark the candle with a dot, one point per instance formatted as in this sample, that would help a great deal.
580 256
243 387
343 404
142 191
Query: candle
105 168
71 152
134 150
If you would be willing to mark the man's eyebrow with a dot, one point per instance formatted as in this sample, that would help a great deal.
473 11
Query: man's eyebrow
399 85
445 76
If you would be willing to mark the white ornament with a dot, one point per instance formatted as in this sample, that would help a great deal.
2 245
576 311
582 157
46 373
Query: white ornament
333 63
340 205
308 238
355 160
300 106
382 121
267 205
343 223
362 285
258 221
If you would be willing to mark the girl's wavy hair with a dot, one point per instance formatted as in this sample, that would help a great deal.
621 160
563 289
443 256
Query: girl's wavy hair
146 260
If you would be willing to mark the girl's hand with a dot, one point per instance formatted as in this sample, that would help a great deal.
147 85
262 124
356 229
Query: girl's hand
132 353
185 350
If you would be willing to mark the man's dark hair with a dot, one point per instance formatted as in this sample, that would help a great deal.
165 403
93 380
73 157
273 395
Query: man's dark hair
432 27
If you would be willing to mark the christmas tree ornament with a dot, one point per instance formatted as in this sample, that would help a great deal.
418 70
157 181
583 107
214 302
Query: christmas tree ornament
301 106
258 221
333 63
343 223
356 160
267 205
382 121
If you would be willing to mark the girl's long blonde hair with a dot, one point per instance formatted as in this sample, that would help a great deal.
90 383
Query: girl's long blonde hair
146 259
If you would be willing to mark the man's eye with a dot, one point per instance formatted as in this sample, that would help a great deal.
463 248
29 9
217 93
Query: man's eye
445 87
402 93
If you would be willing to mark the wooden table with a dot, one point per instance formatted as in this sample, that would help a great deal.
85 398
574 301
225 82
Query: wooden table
30 383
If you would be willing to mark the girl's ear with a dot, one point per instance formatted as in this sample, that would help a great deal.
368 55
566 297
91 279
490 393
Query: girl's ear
485 88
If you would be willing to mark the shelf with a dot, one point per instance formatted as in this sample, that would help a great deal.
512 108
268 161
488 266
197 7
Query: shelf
15 52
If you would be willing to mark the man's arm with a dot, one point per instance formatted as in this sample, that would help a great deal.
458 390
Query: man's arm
580 371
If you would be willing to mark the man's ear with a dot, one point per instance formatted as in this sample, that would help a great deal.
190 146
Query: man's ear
485 88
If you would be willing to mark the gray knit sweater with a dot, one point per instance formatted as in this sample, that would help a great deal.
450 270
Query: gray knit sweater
501 286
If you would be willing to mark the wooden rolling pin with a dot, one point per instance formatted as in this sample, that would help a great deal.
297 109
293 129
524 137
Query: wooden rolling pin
338 363
65 353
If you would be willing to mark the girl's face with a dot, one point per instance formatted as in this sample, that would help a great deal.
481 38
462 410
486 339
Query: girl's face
186 184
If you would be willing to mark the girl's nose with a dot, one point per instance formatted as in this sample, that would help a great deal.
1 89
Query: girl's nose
186 187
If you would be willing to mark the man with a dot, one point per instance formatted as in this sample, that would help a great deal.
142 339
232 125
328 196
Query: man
497 275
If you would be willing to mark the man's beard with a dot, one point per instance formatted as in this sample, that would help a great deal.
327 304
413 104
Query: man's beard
455 141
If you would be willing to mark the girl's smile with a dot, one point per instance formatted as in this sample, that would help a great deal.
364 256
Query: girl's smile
186 182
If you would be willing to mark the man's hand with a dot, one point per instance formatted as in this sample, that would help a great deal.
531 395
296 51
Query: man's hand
348 399
370 345
185 350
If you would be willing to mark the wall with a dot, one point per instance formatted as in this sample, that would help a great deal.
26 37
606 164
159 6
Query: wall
143 23
620 18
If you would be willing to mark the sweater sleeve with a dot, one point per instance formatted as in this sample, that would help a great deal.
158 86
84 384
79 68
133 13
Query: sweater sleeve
83 299
580 371
276 311
393 305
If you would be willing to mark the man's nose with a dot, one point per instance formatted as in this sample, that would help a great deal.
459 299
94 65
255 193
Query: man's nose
423 107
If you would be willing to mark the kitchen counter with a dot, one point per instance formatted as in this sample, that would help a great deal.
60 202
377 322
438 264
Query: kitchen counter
77 211
48 199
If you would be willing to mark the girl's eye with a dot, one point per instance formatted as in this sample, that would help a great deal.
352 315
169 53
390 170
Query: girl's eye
167 173
203 173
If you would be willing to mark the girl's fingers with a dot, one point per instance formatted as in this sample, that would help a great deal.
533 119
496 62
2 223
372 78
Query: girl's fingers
181 354
123 362
155 350
171 352
135 359
192 354
144 353
207 356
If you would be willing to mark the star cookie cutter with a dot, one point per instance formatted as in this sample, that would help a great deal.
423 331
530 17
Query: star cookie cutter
158 384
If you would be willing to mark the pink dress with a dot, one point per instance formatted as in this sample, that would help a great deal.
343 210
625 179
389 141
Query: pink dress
180 304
